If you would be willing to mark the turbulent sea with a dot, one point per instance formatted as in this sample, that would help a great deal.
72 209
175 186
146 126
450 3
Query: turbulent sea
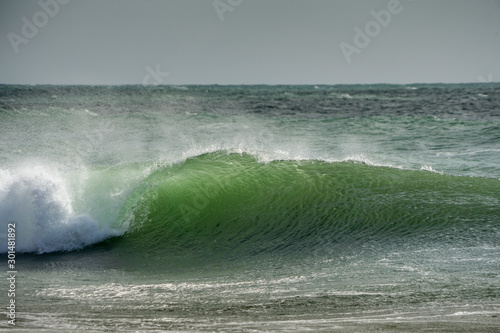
252 208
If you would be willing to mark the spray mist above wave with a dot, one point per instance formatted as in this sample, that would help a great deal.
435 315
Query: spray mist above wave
39 203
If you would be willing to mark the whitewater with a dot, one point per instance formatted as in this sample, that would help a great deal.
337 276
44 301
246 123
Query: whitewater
241 208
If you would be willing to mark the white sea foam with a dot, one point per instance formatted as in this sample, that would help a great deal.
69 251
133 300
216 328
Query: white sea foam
38 201
91 113
430 169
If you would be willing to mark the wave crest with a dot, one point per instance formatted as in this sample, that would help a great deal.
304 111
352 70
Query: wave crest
232 203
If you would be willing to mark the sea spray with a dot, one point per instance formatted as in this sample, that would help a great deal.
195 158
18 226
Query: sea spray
38 201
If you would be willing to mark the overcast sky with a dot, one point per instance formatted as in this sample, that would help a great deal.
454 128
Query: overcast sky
248 41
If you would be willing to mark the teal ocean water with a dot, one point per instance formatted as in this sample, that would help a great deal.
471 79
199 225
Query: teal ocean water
252 208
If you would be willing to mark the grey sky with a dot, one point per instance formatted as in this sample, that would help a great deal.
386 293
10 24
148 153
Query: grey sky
258 41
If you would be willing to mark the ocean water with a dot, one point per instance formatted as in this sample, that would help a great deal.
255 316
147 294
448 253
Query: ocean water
252 208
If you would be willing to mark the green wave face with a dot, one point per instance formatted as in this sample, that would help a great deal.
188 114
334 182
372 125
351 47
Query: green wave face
223 204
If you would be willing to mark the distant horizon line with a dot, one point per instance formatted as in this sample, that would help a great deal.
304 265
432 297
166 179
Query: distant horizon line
246 84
